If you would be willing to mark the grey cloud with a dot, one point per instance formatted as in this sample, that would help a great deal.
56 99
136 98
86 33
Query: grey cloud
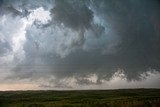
6 8
94 37
1 2
4 47
29 4
23 7
9 10
72 13
133 25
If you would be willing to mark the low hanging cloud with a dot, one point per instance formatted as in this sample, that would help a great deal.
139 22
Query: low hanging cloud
83 42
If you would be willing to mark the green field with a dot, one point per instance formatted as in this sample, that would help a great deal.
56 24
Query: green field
85 98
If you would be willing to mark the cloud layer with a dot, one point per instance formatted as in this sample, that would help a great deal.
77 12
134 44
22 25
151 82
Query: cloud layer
83 42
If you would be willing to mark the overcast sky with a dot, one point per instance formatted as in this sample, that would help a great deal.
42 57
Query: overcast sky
79 44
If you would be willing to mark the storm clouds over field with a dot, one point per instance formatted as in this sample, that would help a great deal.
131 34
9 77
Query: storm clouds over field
79 44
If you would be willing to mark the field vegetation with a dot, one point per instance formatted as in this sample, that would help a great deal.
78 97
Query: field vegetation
82 98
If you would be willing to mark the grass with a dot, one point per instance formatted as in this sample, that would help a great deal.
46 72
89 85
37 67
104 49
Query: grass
83 98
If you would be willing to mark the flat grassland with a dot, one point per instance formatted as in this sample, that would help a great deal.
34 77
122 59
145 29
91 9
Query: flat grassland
82 98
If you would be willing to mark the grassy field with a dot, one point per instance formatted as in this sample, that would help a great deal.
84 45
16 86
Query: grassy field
86 98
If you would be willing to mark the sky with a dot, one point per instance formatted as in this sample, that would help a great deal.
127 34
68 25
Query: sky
79 44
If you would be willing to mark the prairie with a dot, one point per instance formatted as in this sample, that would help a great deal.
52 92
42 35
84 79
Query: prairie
81 98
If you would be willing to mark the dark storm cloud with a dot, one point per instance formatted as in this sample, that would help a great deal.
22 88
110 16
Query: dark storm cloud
114 35
1 3
139 49
8 9
131 20
72 13
11 10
